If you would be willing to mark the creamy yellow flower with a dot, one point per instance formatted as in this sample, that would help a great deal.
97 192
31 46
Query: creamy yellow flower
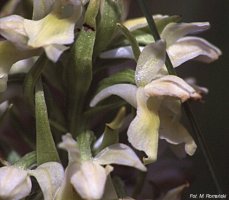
88 177
180 47
51 28
15 182
152 89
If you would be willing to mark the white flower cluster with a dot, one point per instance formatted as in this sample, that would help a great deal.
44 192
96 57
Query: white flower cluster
156 95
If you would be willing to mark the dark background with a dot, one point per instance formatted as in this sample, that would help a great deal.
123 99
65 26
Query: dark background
213 115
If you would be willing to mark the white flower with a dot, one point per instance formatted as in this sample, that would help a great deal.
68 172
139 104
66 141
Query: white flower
15 183
180 47
148 96
51 29
88 177
10 54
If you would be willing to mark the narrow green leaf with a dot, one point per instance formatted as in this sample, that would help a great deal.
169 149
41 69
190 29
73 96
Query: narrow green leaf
109 16
125 76
45 145
79 71
32 78
131 39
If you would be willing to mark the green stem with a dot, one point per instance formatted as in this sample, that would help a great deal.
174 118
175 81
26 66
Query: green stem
85 140
199 137
45 145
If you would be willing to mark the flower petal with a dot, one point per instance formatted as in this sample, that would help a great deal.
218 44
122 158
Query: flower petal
23 66
12 29
175 133
118 53
125 91
49 30
150 62
173 31
49 177
143 130
137 23
10 54
14 183
119 154
171 86
66 190
71 146
188 48
200 89
54 51
57 28
89 180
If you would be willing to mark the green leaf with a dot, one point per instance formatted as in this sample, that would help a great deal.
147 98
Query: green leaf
125 76
109 16
32 78
45 145
131 39
111 132
27 161
142 37
79 71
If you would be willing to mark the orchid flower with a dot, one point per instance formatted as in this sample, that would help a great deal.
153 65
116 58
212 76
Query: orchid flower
151 90
180 47
15 182
88 177
51 29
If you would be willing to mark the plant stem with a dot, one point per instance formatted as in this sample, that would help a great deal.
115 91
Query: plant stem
199 137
